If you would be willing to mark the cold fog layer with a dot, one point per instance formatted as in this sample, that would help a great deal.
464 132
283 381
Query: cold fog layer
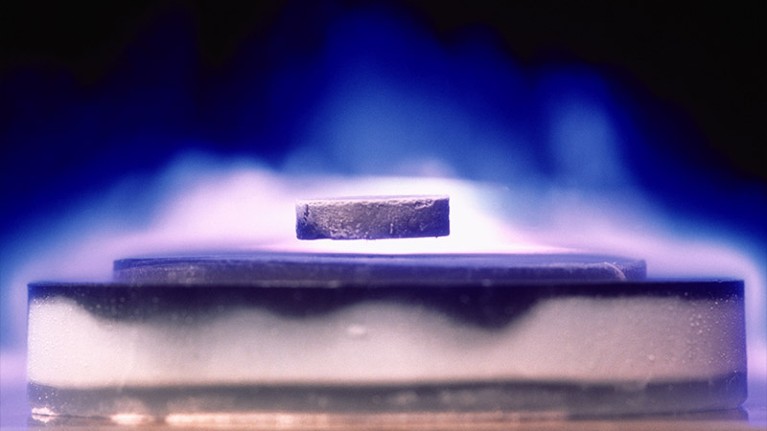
533 161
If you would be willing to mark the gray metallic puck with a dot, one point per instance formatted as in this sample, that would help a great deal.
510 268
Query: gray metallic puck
373 217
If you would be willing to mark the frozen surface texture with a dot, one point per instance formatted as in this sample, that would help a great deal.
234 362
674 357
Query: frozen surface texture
562 335
333 270
373 217
617 340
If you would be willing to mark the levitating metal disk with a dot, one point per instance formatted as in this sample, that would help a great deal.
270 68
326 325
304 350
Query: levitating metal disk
373 217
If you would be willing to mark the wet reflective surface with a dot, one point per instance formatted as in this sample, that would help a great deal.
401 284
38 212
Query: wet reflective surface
14 416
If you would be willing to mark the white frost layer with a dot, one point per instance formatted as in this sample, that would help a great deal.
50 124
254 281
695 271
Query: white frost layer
624 340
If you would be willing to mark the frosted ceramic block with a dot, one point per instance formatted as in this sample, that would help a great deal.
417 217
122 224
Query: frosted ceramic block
260 344
373 217
336 269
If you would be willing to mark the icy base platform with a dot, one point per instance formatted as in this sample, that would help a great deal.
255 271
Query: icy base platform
521 401
259 337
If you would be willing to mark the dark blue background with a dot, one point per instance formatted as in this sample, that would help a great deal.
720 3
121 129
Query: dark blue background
93 91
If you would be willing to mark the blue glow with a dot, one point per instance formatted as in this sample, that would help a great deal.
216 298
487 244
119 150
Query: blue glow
374 95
